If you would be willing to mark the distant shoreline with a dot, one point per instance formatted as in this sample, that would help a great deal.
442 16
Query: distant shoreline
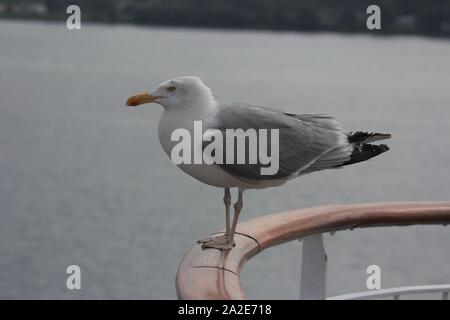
425 18
236 29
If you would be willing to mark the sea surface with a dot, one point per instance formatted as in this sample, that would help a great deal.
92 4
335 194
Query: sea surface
84 181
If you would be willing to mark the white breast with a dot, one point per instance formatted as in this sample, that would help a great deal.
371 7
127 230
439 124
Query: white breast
209 174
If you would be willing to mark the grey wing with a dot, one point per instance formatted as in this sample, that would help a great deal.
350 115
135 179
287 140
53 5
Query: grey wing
303 140
334 157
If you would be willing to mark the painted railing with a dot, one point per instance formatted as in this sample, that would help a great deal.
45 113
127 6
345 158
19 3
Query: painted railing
214 274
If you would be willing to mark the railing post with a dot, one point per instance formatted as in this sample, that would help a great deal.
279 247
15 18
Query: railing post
313 268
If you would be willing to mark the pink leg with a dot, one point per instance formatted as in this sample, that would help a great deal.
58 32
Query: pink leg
237 210
221 242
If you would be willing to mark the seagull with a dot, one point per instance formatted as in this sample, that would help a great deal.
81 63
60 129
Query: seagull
306 142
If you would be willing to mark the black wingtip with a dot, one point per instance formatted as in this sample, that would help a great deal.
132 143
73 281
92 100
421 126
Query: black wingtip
365 152
383 148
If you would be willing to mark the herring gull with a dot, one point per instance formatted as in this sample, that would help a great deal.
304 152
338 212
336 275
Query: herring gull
305 142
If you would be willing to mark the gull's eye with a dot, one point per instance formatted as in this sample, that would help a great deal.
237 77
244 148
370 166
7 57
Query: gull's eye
171 88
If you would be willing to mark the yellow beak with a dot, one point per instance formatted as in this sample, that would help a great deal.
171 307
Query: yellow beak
140 98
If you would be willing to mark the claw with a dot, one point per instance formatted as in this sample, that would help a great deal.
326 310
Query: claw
224 236
216 242
218 246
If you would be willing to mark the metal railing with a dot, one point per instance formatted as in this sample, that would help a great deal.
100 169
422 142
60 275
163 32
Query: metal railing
214 274
395 293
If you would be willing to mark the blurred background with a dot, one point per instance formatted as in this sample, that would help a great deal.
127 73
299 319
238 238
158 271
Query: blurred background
399 16
84 181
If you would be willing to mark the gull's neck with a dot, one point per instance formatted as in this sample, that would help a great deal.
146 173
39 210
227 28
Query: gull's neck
202 108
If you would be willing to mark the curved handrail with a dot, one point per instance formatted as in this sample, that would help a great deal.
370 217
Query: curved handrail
214 274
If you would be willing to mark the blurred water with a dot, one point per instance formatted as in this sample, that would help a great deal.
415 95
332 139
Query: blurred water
84 181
